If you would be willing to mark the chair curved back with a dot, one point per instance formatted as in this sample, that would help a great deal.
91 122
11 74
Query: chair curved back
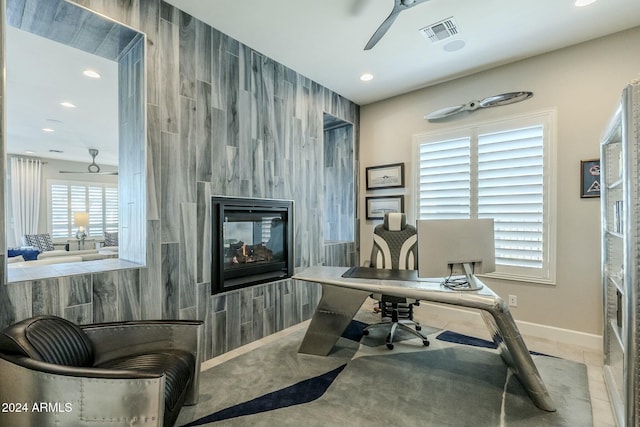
395 244
48 339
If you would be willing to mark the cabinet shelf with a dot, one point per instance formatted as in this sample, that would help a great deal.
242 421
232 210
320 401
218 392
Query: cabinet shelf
617 332
615 234
617 283
615 185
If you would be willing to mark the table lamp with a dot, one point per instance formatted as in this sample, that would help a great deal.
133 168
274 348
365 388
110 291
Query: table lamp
81 220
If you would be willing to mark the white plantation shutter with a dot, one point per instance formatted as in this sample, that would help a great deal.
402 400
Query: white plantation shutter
510 190
498 170
59 211
445 177
66 198
110 209
96 210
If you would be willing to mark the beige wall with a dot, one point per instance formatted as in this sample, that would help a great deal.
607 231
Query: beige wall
583 83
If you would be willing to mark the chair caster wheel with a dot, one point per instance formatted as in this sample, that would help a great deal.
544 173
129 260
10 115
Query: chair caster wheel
425 343
365 332
418 328
390 346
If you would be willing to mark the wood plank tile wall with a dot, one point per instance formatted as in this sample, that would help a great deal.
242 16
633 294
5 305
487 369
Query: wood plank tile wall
221 119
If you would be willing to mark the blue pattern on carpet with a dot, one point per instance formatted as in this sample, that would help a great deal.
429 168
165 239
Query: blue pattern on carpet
297 394
354 330
456 338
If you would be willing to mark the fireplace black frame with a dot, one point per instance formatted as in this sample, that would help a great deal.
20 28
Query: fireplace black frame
224 281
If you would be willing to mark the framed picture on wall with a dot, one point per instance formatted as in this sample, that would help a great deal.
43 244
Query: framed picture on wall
590 178
385 176
379 205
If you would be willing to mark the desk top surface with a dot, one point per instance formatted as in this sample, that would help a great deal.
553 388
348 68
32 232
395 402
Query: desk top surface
425 289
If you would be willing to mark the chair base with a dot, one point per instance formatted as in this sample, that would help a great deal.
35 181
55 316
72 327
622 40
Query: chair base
404 325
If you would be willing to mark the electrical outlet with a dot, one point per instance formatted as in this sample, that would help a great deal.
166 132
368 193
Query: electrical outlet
513 300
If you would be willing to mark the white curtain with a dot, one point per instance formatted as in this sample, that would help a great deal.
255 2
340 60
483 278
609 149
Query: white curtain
26 177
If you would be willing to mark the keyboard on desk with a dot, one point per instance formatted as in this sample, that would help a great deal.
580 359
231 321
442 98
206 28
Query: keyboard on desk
380 274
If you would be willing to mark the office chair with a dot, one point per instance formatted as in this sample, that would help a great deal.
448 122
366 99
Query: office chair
395 247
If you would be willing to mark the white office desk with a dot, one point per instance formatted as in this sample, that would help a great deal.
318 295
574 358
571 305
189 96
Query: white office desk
343 297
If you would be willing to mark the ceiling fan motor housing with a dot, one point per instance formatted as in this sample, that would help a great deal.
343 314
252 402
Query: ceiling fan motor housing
93 166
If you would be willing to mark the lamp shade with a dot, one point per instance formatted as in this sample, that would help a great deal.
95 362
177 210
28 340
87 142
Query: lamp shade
81 219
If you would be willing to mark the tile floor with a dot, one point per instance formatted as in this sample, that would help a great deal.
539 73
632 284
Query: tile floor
602 415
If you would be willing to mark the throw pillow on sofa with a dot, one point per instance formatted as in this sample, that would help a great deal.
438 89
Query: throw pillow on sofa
111 238
41 241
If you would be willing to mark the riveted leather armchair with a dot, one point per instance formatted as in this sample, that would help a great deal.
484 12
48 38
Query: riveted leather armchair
139 373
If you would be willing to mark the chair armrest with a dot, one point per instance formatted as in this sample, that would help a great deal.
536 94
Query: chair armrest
120 339
78 396
78 371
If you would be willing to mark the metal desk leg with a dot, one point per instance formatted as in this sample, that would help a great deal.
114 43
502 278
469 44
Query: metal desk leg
515 353
335 311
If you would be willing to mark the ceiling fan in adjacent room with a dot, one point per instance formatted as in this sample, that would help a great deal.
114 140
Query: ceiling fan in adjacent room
491 101
93 166
399 6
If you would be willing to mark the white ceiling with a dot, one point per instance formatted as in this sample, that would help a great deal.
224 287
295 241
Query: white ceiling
41 73
321 39
324 39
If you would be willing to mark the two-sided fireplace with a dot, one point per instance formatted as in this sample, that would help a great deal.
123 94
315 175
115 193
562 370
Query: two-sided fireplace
251 242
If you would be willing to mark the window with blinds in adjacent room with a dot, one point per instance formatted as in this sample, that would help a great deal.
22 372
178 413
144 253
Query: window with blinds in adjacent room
67 198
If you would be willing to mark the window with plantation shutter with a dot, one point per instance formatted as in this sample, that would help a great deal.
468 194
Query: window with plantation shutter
498 170
445 179
67 198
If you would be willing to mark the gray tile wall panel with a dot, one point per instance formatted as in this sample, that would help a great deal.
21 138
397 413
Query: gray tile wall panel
221 119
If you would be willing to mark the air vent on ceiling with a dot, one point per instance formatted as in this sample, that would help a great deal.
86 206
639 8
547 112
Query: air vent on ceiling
440 30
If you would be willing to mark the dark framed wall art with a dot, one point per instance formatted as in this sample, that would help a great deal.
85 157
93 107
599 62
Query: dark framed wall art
377 206
385 176
590 178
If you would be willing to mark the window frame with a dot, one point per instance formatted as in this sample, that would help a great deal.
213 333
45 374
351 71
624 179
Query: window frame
547 119
79 183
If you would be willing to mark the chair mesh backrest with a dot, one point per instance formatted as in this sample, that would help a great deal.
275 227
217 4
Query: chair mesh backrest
394 244
49 339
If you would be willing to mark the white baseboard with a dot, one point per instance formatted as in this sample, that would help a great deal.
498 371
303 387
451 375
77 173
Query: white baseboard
442 314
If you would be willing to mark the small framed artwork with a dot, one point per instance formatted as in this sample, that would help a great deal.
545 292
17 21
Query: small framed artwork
590 178
385 176
379 205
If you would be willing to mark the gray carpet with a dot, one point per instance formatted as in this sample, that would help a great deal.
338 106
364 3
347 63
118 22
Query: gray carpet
444 384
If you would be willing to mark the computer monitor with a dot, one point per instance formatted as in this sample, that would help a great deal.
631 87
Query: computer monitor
454 247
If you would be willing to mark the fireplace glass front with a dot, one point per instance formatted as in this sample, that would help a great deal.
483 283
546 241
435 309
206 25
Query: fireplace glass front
251 242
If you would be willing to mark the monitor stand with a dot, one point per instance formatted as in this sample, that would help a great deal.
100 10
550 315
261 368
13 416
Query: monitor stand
471 284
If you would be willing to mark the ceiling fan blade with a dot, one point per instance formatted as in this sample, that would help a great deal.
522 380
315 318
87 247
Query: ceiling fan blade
384 27
504 99
91 173
398 7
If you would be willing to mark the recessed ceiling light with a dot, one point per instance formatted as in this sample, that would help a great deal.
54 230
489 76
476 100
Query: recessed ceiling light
366 77
29 152
68 104
48 130
91 73
581 3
